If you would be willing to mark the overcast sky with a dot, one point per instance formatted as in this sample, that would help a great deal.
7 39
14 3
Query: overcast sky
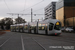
23 6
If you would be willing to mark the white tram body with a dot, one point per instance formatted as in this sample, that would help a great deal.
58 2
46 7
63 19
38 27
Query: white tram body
25 27
50 26
13 27
21 27
17 27
33 27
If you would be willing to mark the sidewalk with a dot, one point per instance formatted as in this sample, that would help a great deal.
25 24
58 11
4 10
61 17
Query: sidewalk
5 30
1 32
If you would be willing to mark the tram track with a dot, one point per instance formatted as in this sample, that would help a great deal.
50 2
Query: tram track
39 44
36 43
65 39
31 41
57 38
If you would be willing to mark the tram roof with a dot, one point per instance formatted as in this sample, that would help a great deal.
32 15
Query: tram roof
49 21
14 25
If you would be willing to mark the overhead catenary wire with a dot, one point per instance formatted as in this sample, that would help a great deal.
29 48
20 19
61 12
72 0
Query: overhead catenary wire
38 9
7 6
32 6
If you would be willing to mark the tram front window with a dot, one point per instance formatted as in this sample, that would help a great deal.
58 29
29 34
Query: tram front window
57 26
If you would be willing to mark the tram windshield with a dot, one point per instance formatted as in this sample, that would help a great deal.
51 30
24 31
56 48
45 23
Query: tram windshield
57 26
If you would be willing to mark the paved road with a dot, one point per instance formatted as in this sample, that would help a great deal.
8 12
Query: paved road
27 41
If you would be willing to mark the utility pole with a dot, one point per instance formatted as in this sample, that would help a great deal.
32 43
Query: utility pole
73 17
25 14
38 20
15 14
18 18
31 15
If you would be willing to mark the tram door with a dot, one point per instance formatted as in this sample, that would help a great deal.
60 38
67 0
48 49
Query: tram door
50 28
35 29
30 29
46 30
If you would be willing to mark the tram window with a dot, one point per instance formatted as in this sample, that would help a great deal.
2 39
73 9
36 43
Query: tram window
51 26
21 27
35 28
11 27
43 28
17 27
40 27
57 27
25 27
14 27
31 27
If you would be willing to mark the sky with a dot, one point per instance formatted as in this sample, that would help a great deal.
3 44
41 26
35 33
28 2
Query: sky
23 7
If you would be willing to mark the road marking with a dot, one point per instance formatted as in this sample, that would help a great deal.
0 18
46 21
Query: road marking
39 44
22 43
4 42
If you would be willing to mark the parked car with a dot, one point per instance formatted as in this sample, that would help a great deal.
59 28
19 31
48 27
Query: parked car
63 29
68 29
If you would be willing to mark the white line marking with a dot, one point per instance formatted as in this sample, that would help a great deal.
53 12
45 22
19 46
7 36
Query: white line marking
22 43
4 42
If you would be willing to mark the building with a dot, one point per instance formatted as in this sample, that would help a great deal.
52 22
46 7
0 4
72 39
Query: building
65 12
50 11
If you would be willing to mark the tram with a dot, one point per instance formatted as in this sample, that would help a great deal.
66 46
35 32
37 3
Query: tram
49 26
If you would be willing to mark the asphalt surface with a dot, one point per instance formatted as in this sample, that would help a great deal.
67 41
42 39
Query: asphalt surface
27 41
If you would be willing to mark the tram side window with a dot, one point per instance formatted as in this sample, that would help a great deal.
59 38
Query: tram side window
21 27
43 28
16 27
51 26
40 27
32 27
11 27
25 27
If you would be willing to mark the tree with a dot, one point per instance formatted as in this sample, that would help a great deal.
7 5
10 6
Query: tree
6 22
2 22
19 20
